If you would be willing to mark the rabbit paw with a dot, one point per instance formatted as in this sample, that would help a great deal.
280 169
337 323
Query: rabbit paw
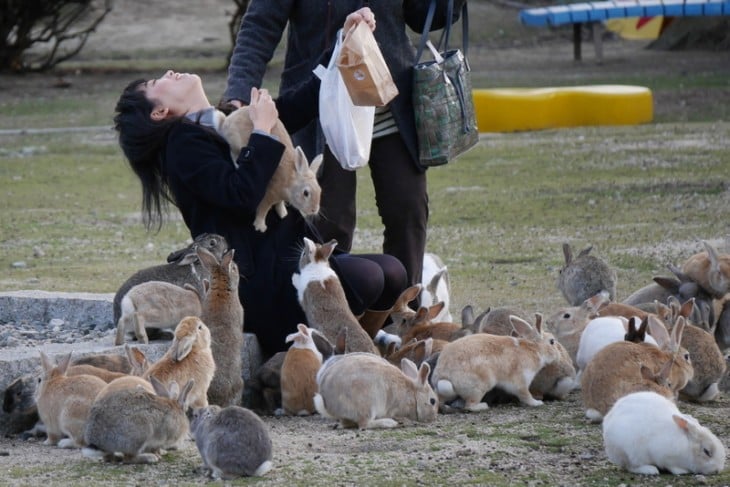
280 208
260 224
645 470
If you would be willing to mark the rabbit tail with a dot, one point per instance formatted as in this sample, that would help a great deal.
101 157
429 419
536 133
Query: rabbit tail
319 406
445 390
263 469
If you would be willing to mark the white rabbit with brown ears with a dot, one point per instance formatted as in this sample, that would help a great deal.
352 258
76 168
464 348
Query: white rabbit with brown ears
323 299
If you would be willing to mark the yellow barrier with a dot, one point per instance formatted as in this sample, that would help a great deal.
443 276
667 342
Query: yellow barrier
513 109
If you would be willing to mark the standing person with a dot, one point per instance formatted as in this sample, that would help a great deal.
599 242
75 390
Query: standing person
399 181
168 133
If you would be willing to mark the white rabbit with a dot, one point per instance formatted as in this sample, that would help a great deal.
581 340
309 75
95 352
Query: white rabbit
644 432
364 390
600 332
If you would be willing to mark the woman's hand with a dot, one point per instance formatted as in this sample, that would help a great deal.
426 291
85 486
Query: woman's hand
262 110
362 15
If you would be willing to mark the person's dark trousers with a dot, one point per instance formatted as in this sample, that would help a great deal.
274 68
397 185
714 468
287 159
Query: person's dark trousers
400 195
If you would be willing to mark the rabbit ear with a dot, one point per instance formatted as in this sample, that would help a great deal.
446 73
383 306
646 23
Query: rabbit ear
521 327
671 285
467 316
227 259
658 331
159 387
595 303
433 311
685 310
182 399
567 253
341 341
423 373
681 422
316 162
180 348
303 329
585 251
64 362
325 250
538 323
46 362
187 259
409 368
675 339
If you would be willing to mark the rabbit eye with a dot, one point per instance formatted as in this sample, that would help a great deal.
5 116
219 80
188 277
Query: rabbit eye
686 357
566 316
552 341
306 193
707 452
432 401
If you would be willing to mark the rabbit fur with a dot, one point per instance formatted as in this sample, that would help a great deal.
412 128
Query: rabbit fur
602 331
182 268
475 364
422 325
137 423
189 357
584 276
64 402
708 361
299 373
323 300
232 441
644 433
155 304
567 324
436 286
20 406
366 391
132 380
616 370
709 269
222 312
294 180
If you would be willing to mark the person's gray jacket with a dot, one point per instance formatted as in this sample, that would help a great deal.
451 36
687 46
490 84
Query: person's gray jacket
312 28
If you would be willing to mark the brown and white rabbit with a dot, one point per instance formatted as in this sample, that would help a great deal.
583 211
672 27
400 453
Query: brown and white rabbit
232 441
475 364
64 402
585 276
222 312
366 391
294 180
155 304
567 324
189 357
299 373
323 299
644 433
138 423
709 269
616 369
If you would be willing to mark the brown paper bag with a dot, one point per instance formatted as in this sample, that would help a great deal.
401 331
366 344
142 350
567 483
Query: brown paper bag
363 68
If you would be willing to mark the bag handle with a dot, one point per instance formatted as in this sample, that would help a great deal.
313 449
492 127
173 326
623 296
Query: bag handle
447 30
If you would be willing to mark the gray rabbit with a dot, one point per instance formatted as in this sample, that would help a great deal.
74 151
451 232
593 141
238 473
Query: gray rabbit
233 441
585 276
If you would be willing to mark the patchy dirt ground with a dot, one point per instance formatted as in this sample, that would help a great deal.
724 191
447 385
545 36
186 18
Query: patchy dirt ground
507 445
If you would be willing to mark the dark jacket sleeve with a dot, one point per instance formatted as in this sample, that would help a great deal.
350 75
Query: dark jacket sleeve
415 12
196 163
261 30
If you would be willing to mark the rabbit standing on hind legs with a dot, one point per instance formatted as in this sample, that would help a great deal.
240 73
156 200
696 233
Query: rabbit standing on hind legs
585 276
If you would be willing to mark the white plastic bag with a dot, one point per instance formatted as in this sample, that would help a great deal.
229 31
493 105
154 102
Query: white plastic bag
348 129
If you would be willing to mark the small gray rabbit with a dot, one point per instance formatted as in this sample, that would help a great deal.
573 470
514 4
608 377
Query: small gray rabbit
233 441
585 276
137 423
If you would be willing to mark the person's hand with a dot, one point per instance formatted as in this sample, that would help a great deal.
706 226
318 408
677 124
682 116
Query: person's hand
262 110
362 15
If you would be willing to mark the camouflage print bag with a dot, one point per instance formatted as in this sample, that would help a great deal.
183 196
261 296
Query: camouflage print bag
442 97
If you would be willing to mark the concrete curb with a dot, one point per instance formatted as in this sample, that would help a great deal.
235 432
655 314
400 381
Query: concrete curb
75 309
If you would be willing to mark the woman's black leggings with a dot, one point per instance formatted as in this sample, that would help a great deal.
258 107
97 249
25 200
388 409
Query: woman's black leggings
371 281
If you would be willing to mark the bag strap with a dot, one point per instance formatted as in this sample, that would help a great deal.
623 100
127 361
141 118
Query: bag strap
446 31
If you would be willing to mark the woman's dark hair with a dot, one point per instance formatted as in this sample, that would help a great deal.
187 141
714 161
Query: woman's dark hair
142 140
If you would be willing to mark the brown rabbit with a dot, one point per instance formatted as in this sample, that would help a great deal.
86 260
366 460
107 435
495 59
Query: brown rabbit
139 365
567 324
421 326
223 313
189 357
323 299
294 180
475 364
299 373
710 270
418 351
616 369
64 402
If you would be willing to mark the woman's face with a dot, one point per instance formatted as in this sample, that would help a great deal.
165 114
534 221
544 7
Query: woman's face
174 93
